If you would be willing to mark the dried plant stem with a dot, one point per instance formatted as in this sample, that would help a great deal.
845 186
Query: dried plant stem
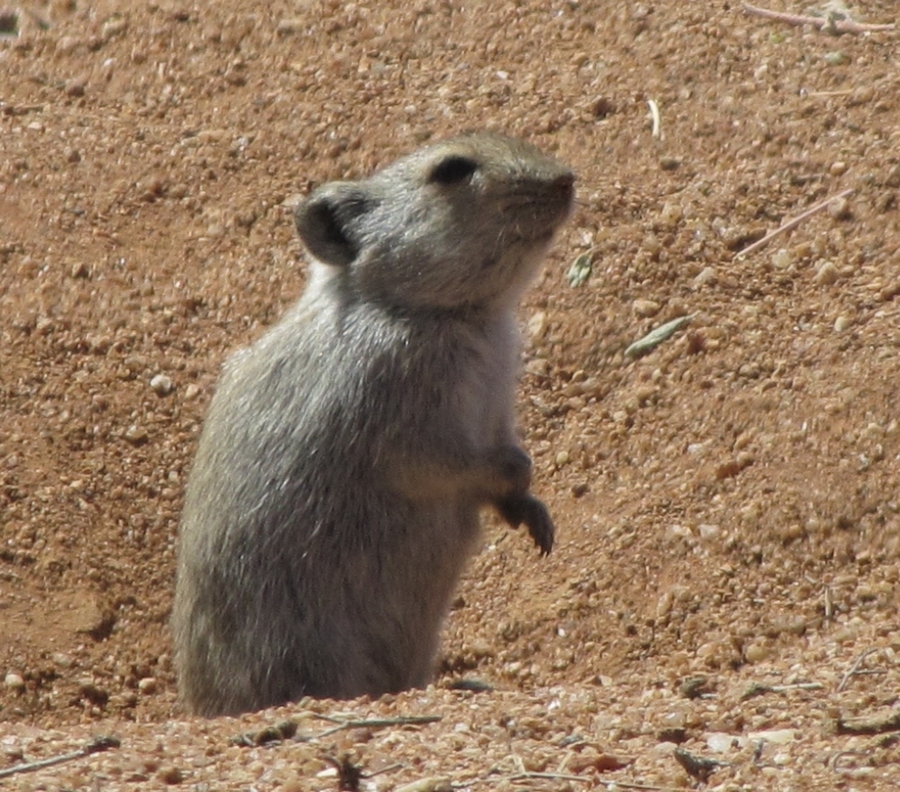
790 224
654 115
616 784
854 668
832 23
372 723
96 745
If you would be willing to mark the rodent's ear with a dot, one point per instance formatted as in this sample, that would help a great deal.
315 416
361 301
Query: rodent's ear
325 221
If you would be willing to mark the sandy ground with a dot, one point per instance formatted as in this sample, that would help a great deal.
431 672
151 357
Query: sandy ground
726 576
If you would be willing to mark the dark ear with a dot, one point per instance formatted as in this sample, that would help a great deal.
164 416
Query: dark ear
325 222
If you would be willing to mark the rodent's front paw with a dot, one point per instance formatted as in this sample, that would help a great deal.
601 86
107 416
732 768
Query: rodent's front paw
518 509
512 466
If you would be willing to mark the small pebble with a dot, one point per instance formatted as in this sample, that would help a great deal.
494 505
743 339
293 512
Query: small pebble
435 784
842 323
757 652
719 742
706 276
76 86
287 27
670 215
537 325
782 259
147 685
14 681
162 385
538 366
136 435
774 736
192 391
67 45
679 531
645 308
114 27
839 209
826 274
846 634
170 775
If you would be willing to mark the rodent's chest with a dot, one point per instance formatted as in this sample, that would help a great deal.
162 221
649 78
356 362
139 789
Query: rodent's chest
449 373
421 372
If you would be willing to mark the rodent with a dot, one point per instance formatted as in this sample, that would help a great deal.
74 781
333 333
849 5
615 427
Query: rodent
334 497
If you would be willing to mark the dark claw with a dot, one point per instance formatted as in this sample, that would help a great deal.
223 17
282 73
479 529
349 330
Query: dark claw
518 509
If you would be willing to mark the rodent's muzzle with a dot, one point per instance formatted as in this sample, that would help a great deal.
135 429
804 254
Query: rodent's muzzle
564 187
559 197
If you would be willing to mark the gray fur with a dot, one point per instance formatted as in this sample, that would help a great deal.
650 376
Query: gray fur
334 498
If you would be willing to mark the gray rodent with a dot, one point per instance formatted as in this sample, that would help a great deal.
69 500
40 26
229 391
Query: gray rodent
334 498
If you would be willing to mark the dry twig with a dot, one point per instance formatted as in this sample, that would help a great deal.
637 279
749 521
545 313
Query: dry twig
791 224
758 689
831 22
654 115
854 668
829 603
552 776
372 723
616 784
833 761
877 725
277 733
96 745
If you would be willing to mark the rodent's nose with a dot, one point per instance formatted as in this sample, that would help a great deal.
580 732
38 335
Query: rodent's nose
564 186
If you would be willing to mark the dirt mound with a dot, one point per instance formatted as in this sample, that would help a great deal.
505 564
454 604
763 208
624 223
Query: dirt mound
727 504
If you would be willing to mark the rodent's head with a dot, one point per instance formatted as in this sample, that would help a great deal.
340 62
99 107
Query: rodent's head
461 223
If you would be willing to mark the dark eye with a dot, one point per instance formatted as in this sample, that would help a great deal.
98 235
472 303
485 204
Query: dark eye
453 170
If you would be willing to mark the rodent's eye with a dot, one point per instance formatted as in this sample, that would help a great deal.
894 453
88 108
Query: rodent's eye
452 170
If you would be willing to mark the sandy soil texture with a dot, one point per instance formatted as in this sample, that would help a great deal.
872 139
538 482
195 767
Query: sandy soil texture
725 584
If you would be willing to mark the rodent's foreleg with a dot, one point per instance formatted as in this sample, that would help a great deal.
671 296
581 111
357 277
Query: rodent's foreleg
500 475
491 474
525 508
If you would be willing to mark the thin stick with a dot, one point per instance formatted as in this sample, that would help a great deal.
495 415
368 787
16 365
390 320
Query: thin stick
840 754
554 776
825 94
758 689
654 114
591 780
832 23
790 224
96 745
409 720
853 669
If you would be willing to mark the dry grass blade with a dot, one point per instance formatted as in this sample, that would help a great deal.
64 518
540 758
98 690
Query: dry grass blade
791 224
94 746
654 115
854 668
833 23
